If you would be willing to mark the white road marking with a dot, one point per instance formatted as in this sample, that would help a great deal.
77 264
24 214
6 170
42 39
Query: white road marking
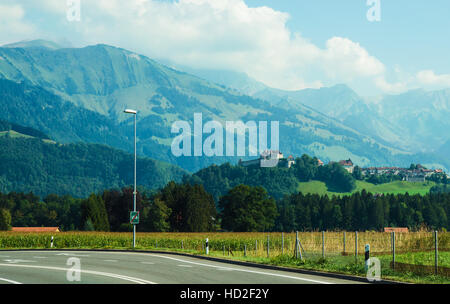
105 274
246 270
73 254
110 260
38 257
222 267
189 266
15 261
148 263
207 265
10 281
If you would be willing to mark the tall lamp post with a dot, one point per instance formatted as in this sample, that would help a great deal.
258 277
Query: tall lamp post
129 111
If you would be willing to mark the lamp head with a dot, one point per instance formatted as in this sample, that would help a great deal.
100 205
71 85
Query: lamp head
129 111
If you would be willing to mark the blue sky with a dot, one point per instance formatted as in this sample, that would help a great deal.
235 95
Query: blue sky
287 44
412 33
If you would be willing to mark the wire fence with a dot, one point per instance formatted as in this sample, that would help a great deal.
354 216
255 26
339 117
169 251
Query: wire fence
421 253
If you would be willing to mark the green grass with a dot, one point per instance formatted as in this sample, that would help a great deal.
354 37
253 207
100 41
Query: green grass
424 258
397 187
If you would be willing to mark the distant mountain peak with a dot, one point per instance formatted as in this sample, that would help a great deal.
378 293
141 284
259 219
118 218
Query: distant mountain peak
38 43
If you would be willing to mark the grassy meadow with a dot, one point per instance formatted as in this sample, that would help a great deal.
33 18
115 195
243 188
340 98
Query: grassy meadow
397 187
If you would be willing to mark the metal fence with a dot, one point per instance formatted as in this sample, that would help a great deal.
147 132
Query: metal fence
415 253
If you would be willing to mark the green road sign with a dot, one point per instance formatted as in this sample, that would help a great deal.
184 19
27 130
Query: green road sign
134 217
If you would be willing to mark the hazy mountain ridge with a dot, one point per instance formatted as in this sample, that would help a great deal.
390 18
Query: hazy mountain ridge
105 80
414 121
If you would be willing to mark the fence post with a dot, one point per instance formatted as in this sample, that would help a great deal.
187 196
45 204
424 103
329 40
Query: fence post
282 242
296 245
436 252
268 253
356 246
344 243
300 249
393 250
323 244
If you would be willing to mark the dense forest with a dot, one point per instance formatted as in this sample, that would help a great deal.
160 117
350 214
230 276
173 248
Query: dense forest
186 208
363 211
32 165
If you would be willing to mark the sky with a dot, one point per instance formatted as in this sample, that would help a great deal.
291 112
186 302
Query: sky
374 46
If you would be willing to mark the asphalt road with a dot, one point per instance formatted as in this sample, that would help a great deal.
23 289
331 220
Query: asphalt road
91 267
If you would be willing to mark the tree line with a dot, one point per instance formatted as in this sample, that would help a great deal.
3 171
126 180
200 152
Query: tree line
182 207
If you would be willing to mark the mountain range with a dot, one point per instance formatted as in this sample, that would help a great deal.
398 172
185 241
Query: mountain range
414 121
79 94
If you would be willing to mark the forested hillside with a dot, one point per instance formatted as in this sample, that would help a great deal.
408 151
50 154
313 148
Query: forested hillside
278 181
32 165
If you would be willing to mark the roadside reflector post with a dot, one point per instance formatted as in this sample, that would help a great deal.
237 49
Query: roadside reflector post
268 253
356 246
224 250
296 244
245 250
367 256
207 247
51 243
282 243
182 245
256 247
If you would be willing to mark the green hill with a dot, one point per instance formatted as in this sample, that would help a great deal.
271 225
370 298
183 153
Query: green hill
30 164
397 187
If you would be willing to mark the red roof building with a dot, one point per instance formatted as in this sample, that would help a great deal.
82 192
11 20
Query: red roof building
35 229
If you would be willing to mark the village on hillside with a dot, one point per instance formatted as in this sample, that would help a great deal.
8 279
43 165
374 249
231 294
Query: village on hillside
415 173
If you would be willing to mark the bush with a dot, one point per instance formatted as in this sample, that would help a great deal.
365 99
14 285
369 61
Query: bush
5 219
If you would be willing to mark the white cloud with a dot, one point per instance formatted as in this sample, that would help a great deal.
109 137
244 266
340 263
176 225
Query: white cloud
215 34
429 78
13 27
391 88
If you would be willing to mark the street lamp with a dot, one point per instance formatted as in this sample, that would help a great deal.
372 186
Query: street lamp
129 111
